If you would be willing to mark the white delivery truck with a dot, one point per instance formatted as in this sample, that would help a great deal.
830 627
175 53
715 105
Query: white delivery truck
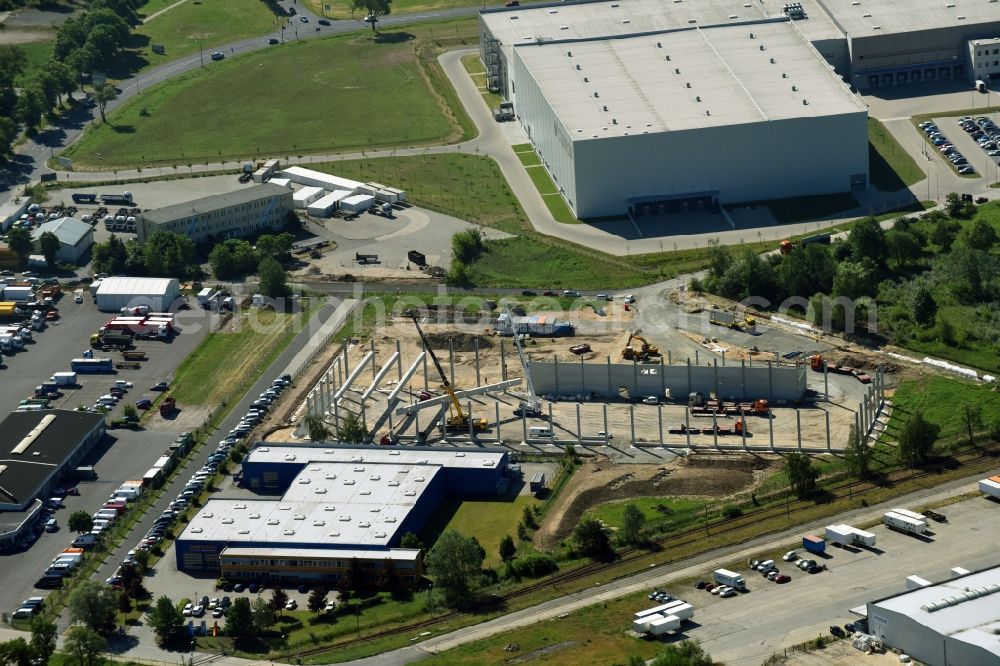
64 378
730 578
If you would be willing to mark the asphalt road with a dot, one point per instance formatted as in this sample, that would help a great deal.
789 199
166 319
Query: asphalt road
201 455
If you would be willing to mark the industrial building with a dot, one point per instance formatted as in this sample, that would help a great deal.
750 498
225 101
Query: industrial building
681 119
639 105
984 54
952 623
36 448
115 293
339 507
75 238
320 194
252 210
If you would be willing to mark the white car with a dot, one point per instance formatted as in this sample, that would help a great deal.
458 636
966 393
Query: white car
121 383
198 611
291 605
188 608
650 400
790 556
728 592
604 435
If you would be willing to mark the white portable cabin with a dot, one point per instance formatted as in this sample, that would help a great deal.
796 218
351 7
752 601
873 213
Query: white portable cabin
990 487
842 534
863 538
303 176
658 610
306 196
910 514
904 523
357 203
324 206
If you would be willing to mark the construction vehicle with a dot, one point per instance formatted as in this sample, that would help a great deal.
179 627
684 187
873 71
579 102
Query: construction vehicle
532 406
111 340
818 364
134 355
730 320
786 246
459 420
645 354
699 406
504 112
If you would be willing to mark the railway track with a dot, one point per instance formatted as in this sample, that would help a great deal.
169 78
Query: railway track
686 537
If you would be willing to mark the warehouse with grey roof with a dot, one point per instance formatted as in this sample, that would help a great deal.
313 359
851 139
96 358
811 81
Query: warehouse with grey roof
252 210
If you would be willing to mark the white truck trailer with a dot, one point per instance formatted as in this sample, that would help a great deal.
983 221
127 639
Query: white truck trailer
990 486
730 578
898 521
664 624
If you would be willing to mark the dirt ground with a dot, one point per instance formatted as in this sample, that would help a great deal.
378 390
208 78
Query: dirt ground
840 653
187 418
601 481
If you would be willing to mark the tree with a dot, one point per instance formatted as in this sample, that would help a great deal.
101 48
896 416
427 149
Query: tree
124 602
273 281
80 522
43 638
129 413
318 432
684 653
806 271
352 430
278 600
110 257
15 652
8 134
902 246
317 600
455 562
867 241
61 77
459 274
507 549
94 605
276 246
410 540
633 521
388 578
232 257
85 644
48 244
857 454
944 233
592 540
240 618
528 518
104 93
979 235
131 577
20 243
924 306
167 254
166 619
916 440
375 8
466 246
855 279
801 473
972 417
32 105
142 557
263 616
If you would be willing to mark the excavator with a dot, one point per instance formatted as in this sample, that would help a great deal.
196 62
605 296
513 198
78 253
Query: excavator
458 420
645 354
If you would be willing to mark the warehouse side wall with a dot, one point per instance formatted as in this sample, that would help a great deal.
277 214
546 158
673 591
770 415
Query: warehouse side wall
730 382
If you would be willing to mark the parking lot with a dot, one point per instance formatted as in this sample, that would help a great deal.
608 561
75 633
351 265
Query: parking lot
748 628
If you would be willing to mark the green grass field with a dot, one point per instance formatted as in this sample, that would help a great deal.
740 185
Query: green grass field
474 66
342 9
37 54
333 95
653 508
467 186
226 364
192 25
890 167
940 399
488 521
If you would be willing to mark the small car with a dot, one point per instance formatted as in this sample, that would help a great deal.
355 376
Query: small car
837 631
303 589
727 592
304 19
218 55
188 608
782 579
291 605
198 611
239 587
790 556
159 386
650 400
528 292
700 585
144 403
330 607
217 612
272 40
323 22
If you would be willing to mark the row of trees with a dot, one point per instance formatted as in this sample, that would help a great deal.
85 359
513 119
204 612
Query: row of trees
164 254
236 257
20 242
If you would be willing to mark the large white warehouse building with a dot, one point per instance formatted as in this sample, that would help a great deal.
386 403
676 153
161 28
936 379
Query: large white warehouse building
115 293
692 117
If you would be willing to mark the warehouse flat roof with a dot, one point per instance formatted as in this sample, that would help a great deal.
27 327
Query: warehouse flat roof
34 444
136 286
714 77
879 17
399 554
410 455
966 608
347 503
605 18
213 203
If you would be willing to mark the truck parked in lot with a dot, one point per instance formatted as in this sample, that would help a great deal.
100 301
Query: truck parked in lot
168 406
111 341
208 298
64 378
730 320
84 198
123 199
813 544
845 535
134 355
730 578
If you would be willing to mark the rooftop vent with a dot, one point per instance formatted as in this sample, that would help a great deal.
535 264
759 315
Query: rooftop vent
344 519
595 94
374 477
513 17
375 509
586 79
300 516
697 98
290 457
668 57
393 453
240 506
659 45
564 27
805 102
626 21
677 70
208 515
272 521
364 524
380 535
244 532
304 480
733 16
692 20
359 469
348 482
784 75
553 11
254 516
569 54
614 121
390 519
288 532
960 18
419 479
264 449
795 88
334 534
950 5
707 112
331 477
878 27
365 492
753 36
412 493
578 66
196 530
605 107
869 15
772 61
328 508
284 508
320 491
228 521
688 84
394 483
763 48
319 523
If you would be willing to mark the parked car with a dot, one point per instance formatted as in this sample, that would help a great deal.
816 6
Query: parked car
144 403
783 578
159 386
837 631
272 40
218 55
291 605
790 556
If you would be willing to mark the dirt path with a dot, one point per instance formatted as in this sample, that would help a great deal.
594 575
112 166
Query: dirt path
165 9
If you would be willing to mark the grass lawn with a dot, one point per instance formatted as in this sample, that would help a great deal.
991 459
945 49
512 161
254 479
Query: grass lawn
891 168
193 24
341 9
487 520
37 54
542 264
940 400
474 66
224 366
331 95
544 184
653 508
467 186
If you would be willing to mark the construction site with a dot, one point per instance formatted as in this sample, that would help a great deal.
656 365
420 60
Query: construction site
445 378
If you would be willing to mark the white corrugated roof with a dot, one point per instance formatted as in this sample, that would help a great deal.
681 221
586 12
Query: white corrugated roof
339 553
329 199
139 286
68 230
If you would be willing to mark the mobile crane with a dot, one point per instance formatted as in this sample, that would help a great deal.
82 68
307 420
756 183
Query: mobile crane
643 354
459 420
532 406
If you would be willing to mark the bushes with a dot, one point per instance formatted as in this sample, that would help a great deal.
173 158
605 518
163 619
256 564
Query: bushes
532 565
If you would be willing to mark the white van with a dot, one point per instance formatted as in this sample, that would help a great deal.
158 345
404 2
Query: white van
539 431
84 540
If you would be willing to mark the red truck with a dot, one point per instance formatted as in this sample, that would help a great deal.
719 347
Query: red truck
168 407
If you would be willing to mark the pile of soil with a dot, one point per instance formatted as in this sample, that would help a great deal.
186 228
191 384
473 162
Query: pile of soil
464 342
862 362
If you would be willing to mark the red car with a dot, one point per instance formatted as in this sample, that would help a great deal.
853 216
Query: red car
710 587
782 579
550 293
